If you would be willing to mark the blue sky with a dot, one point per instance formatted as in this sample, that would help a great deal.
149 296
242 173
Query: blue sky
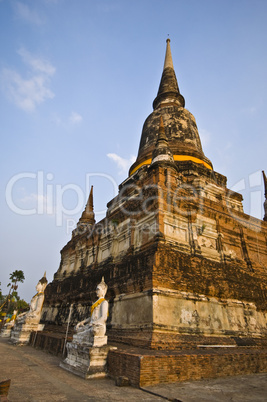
77 81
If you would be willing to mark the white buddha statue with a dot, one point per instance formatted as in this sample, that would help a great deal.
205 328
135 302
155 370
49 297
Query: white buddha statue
29 321
88 351
34 314
94 327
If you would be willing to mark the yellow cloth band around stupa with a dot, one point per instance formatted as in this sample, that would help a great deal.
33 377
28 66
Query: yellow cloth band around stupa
176 158
191 158
147 162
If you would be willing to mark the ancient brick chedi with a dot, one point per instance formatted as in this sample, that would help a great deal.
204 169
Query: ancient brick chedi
184 265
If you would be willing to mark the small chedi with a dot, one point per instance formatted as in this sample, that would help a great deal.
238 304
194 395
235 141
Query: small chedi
87 353
29 321
9 324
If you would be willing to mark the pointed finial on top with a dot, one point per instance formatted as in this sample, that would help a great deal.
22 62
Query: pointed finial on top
265 183
90 200
88 215
265 193
168 92
168 56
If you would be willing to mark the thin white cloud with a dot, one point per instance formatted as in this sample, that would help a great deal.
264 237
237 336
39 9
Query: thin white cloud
122 163
32 197
75 118
37 64
42 202
27 93
24 13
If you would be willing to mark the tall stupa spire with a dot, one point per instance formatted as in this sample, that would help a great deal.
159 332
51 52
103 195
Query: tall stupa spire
168 56
88 215
168 92
177 125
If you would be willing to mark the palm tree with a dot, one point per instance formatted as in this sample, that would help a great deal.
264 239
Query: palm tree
16 276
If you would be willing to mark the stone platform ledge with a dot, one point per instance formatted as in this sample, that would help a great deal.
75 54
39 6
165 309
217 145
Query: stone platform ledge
86 376
5 333
21 334
86 361
144 367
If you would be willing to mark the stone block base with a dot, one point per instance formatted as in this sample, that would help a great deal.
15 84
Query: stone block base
86 361
143 367
6 332
94 341
20 334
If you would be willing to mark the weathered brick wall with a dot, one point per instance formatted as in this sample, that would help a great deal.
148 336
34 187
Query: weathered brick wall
139 337
124 365
195 366
131 274
155 368
175 270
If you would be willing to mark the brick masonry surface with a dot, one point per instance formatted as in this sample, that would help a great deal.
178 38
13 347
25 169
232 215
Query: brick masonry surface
166 367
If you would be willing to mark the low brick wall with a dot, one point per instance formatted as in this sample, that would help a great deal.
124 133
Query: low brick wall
166 367
124 365
52 343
